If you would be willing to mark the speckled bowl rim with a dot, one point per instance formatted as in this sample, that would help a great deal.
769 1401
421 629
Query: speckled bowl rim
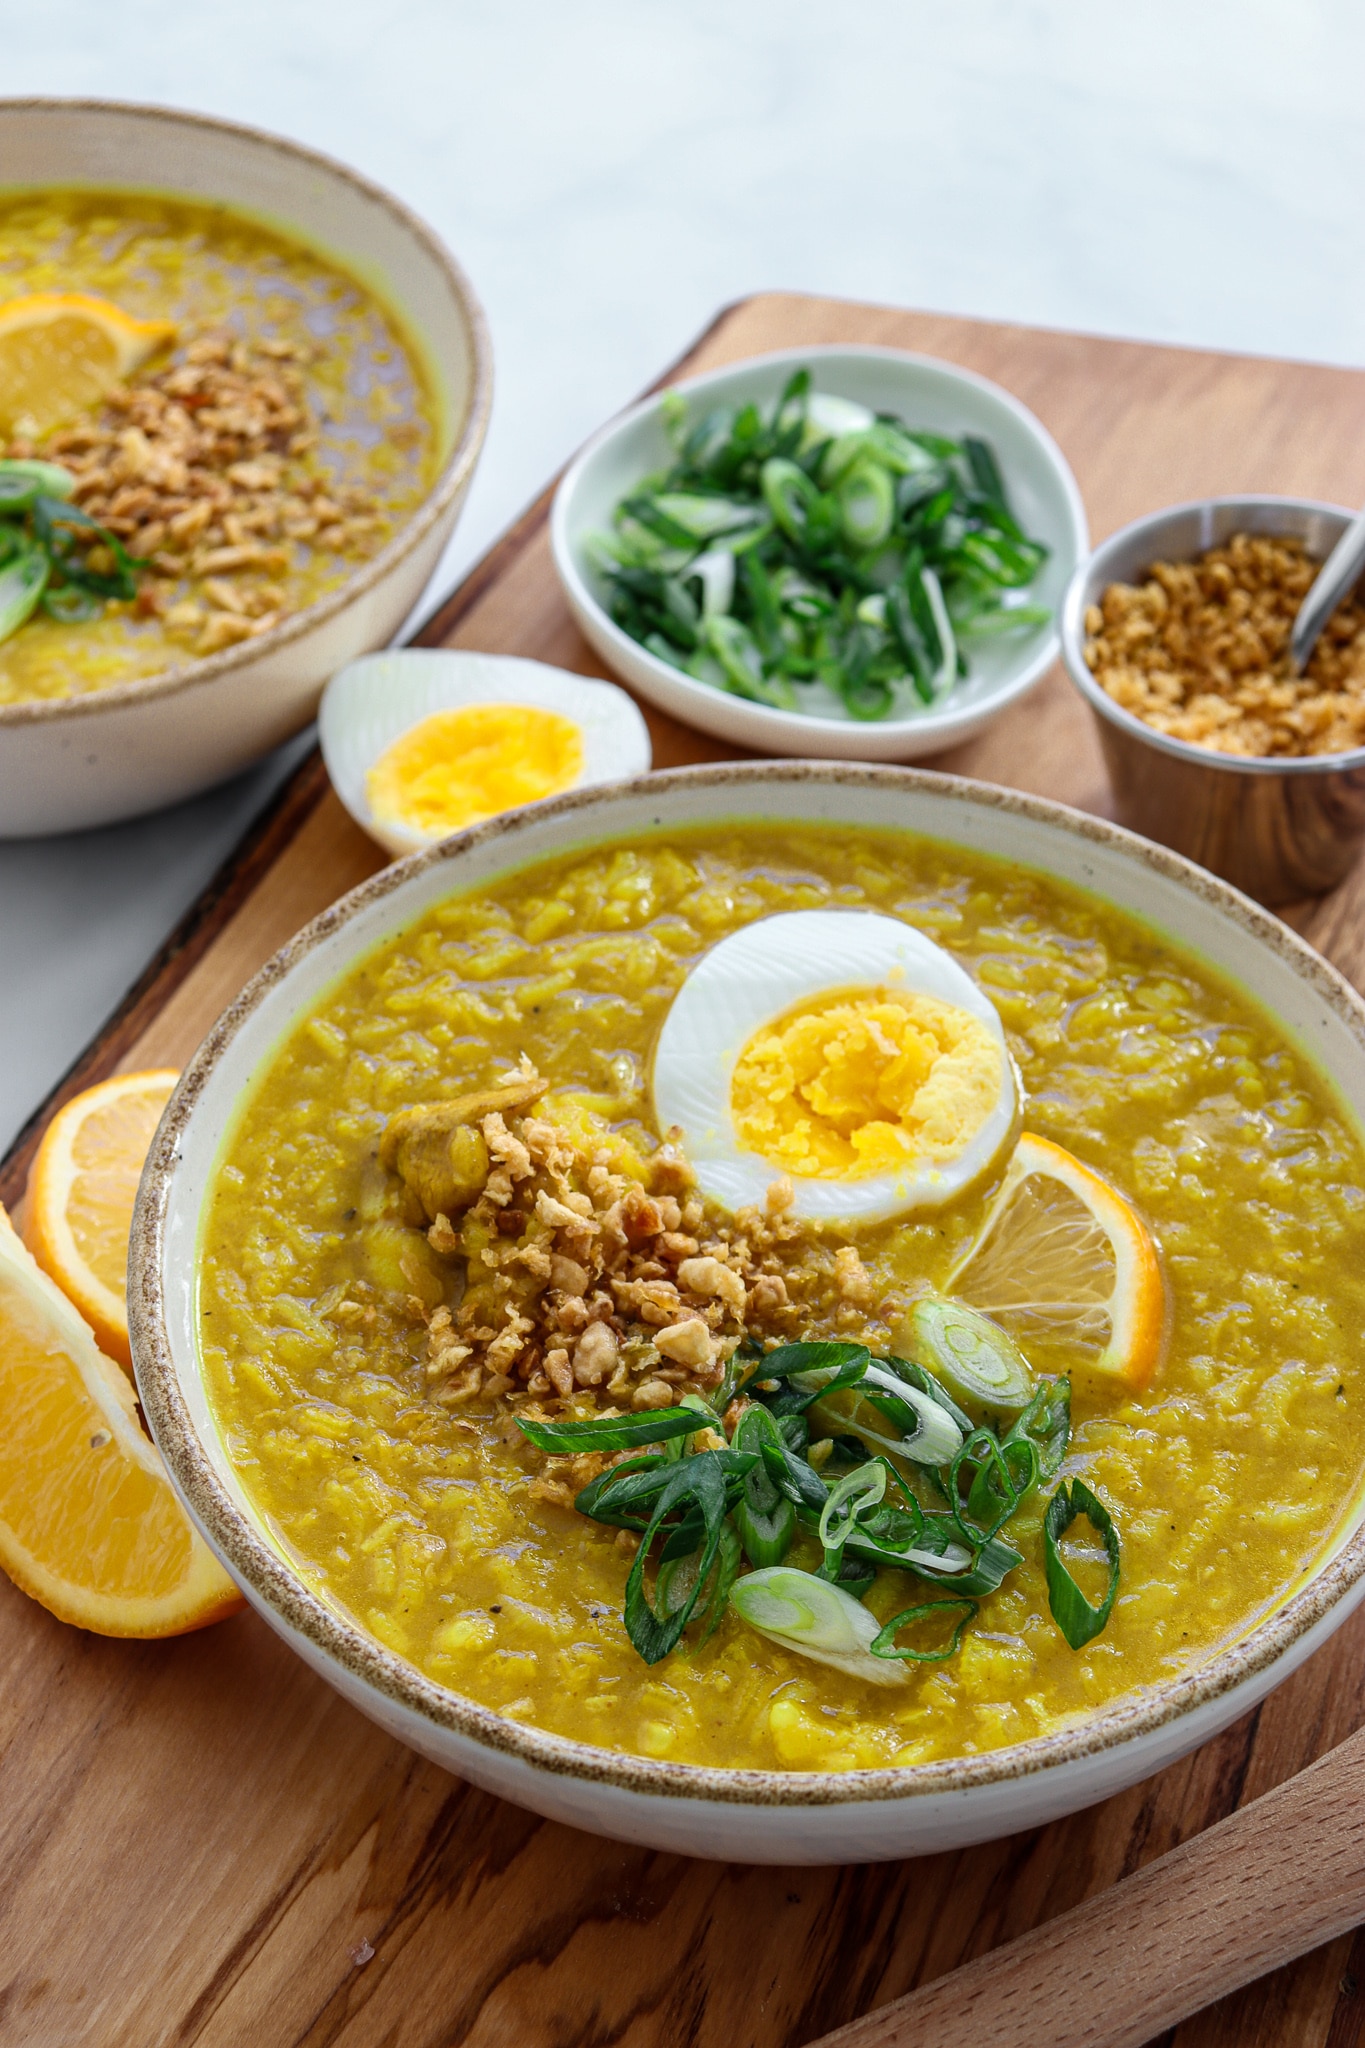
452 480
1071 627
379 1670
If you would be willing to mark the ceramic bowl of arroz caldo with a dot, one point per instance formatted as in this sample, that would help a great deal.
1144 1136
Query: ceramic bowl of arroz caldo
807 1816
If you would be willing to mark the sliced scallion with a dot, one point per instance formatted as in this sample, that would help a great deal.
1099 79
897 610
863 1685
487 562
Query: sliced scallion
23 578
1078 1619
884 1644
608 1432
765 1515
831 505
677 1581
23 481
1046 1422
997 1478
815 1618
973 1356
865 1487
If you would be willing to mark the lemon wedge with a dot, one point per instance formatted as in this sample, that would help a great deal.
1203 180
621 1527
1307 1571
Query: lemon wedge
81 1194
60 352
1062 1254
89 1522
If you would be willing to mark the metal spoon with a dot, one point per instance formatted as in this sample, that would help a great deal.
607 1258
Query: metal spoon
1334 579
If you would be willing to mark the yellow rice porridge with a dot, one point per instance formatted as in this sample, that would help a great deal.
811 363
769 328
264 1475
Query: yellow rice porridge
281 432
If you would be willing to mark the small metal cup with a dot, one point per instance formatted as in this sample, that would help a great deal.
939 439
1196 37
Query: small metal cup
1279 829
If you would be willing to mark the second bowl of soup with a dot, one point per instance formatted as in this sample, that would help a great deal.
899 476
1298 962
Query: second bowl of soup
242 393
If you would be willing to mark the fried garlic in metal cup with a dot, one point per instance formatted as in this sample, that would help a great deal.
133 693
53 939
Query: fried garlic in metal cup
902 1448
1224 756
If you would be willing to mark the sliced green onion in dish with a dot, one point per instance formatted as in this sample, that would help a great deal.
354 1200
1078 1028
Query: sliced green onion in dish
934 1611
696 1489
998 1478
23 579
64 530
907 1484
677 1583
983 1573
46 545
22 482
976 1360
819 1355
815 1618
863 1488
70 606
892 1418
815 546
610 1432
765 1516
1046 1422
1078 1618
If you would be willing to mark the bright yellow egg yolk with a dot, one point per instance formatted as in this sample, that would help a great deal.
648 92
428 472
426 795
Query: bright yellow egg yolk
456 767
852 1085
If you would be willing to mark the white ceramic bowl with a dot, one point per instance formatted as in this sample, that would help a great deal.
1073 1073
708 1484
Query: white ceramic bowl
77 761
926 393
371 701
748 1816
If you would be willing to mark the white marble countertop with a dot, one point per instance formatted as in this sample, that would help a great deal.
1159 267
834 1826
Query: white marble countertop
611 173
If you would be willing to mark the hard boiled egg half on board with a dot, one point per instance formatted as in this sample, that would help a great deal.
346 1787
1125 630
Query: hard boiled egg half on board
844 1050
421 742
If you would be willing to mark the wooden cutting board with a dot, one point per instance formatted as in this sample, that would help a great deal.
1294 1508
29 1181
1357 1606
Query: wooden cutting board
199 1843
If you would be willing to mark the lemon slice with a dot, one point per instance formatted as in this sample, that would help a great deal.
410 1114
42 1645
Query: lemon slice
1061 1254
60 352
89 1523
81 1195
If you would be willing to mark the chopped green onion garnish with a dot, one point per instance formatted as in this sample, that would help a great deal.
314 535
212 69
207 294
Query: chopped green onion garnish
864 1487
765 1516
23 579
71 606
998 1477
816 1618
22 482
1074 1615
972 1355
885 1645
1046 1422
610 1432
44 550
678 1578
925 1493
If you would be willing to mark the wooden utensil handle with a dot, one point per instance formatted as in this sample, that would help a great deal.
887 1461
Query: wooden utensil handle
1263 1886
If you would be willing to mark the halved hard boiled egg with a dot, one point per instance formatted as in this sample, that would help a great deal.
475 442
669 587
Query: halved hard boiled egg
842 1049
421 742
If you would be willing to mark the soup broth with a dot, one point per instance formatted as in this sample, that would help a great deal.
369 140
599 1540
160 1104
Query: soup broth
346 442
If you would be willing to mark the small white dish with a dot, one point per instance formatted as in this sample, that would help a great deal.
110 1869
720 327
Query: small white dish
371 702
925 393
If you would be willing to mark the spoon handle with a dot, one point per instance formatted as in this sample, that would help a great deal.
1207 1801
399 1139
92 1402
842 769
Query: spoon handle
1272 1881
1334 579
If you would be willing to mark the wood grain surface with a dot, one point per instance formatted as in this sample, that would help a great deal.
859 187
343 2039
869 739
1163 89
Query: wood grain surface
1282 1875
199 1843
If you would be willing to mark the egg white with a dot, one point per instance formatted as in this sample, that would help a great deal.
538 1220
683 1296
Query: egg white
755 976
371 702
